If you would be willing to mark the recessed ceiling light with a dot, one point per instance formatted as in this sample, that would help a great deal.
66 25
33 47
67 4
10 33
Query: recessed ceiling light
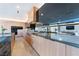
18 8
42 14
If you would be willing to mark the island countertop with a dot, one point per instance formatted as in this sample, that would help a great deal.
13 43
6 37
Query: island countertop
2 37
62 38
5 44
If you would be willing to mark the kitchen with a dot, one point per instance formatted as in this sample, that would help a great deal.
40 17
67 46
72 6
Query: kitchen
50 30
59 33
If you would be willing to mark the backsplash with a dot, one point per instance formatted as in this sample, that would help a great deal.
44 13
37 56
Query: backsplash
64 29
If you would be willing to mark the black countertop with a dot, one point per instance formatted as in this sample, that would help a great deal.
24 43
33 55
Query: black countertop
5 46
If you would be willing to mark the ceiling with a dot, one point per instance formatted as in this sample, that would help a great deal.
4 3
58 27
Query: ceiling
9 10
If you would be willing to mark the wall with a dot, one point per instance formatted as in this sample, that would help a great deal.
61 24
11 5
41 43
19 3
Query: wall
8 24
76 30
42 28
53 29
63 28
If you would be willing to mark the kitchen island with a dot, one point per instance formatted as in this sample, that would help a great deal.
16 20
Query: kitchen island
56 44
5 44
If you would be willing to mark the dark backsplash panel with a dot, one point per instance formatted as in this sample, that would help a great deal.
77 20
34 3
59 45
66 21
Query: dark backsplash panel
54 12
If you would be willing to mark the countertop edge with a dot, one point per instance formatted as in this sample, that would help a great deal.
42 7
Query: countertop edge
67 43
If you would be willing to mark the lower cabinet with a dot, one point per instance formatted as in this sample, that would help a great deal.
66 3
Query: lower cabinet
72 51
60 49
46 47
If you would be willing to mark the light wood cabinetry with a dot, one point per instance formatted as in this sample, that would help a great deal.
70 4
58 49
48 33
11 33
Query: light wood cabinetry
32 15
12 41
60 49
52 48
72 51
47 47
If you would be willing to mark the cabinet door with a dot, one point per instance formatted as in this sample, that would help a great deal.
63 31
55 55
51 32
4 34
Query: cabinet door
60 49
36 43
44 46
56 48
39 45
68 50
48 47
72 51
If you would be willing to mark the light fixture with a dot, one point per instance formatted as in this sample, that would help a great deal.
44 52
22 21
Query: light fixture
42 14
18 8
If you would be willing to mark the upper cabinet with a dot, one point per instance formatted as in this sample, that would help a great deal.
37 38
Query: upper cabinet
55 12
32 15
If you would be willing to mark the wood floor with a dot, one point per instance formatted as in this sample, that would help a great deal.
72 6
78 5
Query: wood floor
22 48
